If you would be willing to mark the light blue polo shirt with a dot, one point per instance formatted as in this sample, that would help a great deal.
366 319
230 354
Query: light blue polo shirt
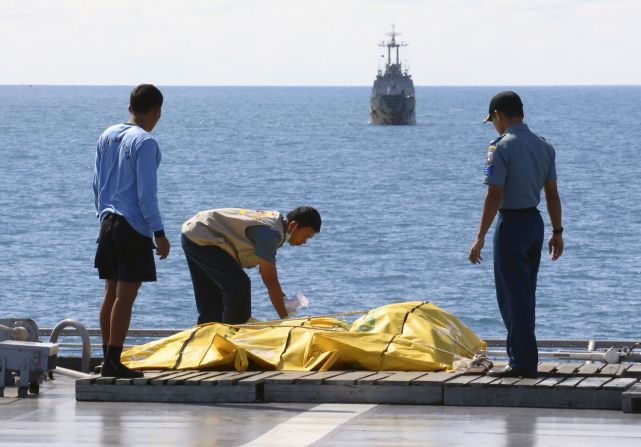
124 180
521 162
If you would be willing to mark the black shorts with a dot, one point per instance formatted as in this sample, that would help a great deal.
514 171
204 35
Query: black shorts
123 254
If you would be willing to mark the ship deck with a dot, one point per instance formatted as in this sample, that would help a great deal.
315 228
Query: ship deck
55 417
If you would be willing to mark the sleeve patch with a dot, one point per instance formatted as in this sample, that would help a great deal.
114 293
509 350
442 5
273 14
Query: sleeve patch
489 160
490 157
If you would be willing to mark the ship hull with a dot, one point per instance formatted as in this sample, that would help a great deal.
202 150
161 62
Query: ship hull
393 109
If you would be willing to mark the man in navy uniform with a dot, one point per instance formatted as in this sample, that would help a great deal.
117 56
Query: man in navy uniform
519 164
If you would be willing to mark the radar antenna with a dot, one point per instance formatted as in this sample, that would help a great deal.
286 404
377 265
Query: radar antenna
392 44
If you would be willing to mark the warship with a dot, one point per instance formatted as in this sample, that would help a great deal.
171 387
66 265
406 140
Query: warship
393 99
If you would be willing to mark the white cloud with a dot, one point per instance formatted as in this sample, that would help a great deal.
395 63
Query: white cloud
329 42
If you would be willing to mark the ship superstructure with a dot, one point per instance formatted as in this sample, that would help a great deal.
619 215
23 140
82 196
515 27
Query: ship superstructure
393 98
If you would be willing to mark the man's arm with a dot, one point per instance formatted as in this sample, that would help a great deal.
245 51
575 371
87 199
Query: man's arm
147 186
96 180
555 245
269 276
490 208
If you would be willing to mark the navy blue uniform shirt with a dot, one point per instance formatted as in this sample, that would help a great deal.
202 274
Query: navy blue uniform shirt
521 162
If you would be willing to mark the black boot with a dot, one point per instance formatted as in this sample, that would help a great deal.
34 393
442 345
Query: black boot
112 367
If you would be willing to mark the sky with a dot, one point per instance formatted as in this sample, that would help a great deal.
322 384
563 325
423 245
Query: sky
322 42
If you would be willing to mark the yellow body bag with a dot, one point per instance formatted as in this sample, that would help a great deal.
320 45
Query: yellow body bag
409 336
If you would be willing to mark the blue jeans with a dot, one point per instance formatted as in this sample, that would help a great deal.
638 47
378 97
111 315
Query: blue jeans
221 287
518 240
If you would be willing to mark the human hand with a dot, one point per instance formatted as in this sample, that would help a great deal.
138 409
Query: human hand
475 251
555 246
162 247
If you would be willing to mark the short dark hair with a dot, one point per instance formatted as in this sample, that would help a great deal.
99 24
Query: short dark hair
306 216
508 103
144 98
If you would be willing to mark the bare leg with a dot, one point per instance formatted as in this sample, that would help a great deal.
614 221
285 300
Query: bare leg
126 293
106 308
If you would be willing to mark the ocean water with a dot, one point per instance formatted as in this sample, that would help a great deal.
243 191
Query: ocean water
400 205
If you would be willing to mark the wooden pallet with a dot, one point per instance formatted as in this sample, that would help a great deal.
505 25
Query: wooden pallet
631 399
174 386
560 385
550 392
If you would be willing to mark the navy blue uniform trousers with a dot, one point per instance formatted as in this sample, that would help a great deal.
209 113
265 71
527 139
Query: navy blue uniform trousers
518 240
221 287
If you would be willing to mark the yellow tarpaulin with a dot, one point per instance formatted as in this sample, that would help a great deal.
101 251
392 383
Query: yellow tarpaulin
411 336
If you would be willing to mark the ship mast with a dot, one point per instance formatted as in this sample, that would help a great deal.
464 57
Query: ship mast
392 44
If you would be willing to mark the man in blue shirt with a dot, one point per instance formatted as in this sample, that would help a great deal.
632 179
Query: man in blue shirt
519 164
125 191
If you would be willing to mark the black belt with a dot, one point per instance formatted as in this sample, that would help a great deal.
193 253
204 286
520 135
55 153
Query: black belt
519 210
